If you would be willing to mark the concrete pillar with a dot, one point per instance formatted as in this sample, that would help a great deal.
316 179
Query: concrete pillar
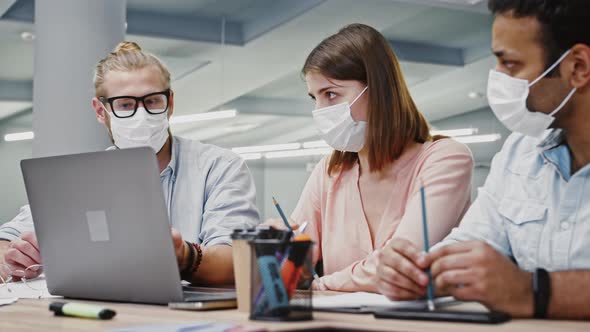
71 37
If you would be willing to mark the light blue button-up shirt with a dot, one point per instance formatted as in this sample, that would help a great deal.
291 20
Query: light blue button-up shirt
208 191
531 207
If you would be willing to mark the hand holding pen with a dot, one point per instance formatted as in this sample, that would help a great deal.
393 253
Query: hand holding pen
402 269
283 223
430 289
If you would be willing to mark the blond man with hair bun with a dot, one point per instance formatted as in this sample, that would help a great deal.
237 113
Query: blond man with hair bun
208 190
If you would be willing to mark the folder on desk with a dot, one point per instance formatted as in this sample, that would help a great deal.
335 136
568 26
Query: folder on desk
362 302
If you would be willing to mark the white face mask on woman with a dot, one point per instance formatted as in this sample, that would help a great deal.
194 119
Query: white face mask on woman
507 97
142 129
338 128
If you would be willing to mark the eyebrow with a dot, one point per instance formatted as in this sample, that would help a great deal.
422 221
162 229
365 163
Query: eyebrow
502 53
325 88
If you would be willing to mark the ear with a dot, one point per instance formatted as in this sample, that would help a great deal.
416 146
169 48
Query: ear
580 66
171 104
100 110
360 108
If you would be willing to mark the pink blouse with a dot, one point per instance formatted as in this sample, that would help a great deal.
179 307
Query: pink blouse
333 208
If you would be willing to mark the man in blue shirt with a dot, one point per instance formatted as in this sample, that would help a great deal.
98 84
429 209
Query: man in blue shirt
524 245
208 190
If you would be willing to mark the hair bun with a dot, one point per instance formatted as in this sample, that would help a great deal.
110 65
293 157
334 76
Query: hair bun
127 47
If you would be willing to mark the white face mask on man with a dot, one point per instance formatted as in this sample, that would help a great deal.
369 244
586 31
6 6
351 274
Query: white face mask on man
507 97
338 128
142 129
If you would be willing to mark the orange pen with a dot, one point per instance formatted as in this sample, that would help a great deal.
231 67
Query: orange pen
291 270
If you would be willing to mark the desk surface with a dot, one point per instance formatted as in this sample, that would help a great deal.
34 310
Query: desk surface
33 315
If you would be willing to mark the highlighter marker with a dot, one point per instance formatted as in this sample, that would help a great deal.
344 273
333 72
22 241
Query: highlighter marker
81 310
275 300
291 270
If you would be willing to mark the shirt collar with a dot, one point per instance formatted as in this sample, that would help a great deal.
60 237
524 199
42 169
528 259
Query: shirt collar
174 152
552 139
555 151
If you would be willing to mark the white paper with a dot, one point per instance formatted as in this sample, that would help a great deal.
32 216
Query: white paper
34 289
8 301
197 326
362 299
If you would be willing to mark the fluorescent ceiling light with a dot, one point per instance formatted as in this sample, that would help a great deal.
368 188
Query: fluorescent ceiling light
267 148
478 138
455 132
203 116
450 133
315 144
27 135
240 127
298 153
251 156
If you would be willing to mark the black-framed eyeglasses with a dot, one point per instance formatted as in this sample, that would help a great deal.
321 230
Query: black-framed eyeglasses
126 106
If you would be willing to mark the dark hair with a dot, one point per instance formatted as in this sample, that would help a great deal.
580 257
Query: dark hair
564 23
360 53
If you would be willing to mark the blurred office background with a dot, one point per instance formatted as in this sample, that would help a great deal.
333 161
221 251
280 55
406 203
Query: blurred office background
240 60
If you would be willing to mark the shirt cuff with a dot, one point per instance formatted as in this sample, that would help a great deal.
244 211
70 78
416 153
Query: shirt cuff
9 233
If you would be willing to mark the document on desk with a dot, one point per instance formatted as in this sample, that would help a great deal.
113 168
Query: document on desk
34 289
360 300
8 301
197 326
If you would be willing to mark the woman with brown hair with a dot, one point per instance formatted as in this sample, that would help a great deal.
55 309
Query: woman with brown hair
367 192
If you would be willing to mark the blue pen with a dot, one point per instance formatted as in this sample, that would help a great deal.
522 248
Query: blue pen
274 201
316 277
430 290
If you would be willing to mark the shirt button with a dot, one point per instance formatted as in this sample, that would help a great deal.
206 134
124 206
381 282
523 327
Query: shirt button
565 225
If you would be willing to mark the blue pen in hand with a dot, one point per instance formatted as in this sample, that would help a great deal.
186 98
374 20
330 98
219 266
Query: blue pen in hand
274 201
430 290
307 263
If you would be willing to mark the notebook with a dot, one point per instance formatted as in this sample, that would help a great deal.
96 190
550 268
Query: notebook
362 302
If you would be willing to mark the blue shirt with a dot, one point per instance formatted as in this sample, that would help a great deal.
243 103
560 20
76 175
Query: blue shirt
531 208
208 191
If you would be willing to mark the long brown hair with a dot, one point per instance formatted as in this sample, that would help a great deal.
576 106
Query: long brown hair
360 53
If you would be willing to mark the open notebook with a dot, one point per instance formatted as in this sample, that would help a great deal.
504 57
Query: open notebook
369 302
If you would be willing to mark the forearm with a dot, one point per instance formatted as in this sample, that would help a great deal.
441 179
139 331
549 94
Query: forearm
216 268
360 276
569 296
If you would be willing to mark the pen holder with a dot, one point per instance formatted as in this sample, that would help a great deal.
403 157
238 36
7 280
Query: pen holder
278 269
244 259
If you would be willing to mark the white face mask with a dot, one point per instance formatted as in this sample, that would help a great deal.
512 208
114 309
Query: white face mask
507 97
142 129
338 128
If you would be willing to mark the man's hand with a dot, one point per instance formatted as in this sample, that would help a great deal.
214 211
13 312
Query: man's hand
23 253
400 270
280 224
474 271
181 249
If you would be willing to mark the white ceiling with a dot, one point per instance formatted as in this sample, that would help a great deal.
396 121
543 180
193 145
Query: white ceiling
261 79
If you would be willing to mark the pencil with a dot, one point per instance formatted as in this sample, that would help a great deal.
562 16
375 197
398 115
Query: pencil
430 289
307 263
274 201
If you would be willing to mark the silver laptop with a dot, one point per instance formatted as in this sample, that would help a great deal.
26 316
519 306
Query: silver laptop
103 229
